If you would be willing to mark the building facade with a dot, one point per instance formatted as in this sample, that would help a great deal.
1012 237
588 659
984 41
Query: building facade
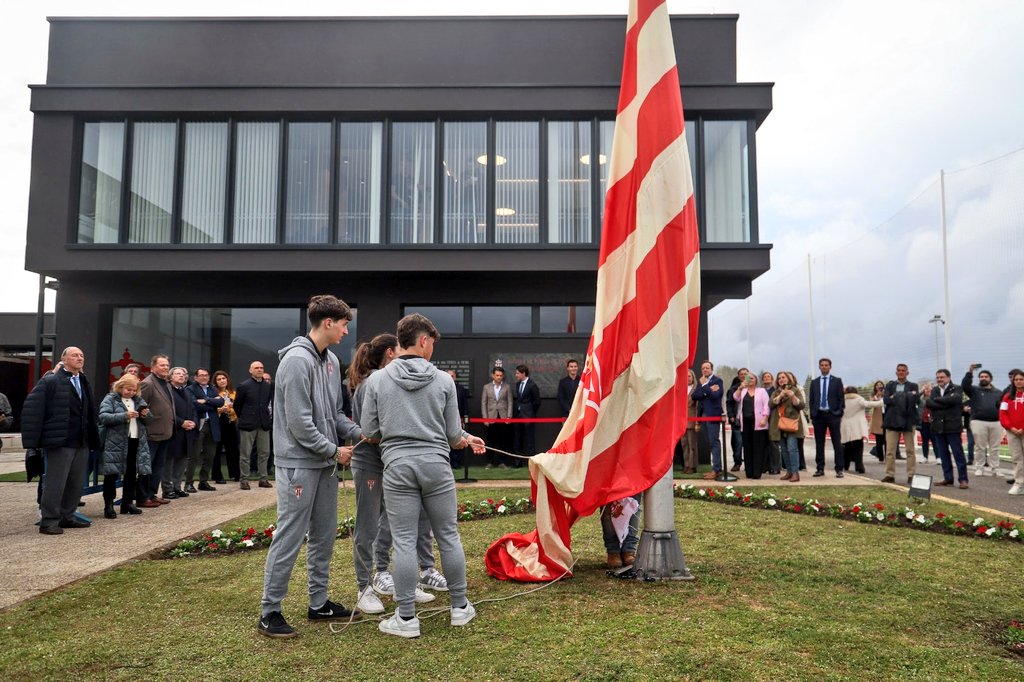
194 181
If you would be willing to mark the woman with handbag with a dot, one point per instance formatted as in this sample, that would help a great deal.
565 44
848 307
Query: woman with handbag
786 426
125 449
854 427
753 412
227 448
689 439
876 429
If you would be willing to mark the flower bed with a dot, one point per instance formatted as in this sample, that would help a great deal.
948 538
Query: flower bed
220 542
862 513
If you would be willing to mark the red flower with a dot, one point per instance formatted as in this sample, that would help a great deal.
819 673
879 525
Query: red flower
269 532
879 507
250 532
711 493
958 524
1005 525
856 509
797 508
940 516
212 546
982 530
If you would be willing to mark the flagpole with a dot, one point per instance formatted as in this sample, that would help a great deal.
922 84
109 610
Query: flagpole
659 556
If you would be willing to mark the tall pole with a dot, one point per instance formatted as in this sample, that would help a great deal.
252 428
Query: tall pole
40 314
748 336
938 365
810 320
945 269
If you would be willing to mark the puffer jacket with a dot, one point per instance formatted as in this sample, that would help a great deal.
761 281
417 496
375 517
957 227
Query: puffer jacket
46 415
947 410
114 423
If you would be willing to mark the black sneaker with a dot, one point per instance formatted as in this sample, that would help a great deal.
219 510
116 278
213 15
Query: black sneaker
332 611
274 625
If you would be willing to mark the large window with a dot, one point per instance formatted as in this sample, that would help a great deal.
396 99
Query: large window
726 186
397 183
464 177
449 319
412 183
204 182
257 147
99 198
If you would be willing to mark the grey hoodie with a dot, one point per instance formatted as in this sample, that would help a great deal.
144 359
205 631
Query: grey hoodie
308 421
411 406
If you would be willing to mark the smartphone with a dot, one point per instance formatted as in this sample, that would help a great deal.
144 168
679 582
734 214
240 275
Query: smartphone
976 365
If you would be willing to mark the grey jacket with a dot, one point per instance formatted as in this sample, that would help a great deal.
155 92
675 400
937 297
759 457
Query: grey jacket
365 456
411 406
308 420
113 419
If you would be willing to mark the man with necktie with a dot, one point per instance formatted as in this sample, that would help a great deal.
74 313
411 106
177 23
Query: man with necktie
827 405
526 402
59 417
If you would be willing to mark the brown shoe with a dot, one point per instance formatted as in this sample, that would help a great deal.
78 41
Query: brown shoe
943 482
795 478
264 483
162 500
628 558
736 467
149 504
963 485
244 485
614 560
786 476
689 470
710 476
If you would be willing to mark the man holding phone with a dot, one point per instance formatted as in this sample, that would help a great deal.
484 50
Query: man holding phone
988 433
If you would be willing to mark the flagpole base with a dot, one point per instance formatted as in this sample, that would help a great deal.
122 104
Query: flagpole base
660 557
725 476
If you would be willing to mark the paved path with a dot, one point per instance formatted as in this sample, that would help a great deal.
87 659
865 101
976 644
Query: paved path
28 568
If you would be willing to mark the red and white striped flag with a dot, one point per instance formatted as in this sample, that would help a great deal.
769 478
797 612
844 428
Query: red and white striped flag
630 408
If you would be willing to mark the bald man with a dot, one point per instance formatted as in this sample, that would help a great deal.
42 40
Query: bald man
252 405
59 418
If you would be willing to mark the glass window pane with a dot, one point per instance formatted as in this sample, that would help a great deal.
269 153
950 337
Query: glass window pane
489 319
606 135
449 319
256 183
412 183
726 186
464 174
569 182
307 220
566 319
360 150
517 190
691 147
204 182
152 200
99 198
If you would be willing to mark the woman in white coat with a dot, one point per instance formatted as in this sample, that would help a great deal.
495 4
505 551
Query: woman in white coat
854 427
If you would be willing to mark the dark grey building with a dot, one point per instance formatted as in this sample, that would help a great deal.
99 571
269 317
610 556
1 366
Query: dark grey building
195 180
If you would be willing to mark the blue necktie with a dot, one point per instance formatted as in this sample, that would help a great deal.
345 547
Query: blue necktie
824 393
78 387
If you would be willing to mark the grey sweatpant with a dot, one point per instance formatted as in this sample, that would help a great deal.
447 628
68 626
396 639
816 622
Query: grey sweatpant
372 534
307 502
412 484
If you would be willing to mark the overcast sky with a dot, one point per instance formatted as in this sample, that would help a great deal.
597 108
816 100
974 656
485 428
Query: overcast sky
871 99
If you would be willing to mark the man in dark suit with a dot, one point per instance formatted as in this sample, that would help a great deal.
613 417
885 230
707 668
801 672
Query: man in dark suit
567 386
526 405
206 401
59 416
827 406
707 393
184 440
252 405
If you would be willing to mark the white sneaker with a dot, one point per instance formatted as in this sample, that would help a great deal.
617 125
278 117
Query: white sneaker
997 472
383 583
430 579
369 602
1017 489
400 628
423 597
463 615
979 471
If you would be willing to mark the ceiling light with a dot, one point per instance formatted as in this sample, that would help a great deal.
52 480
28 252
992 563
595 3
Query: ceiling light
499 160
504 211
601 159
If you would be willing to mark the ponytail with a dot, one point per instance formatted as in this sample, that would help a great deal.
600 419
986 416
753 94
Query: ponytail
368 357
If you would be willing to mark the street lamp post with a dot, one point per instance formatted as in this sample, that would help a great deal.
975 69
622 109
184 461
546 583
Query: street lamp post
935 320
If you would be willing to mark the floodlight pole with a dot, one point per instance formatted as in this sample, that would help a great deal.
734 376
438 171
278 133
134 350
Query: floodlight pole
659 555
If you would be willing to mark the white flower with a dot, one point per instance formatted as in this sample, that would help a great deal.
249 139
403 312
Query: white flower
978 521
216 533
910 515
702 492
991 530
771 502
248 543
880 516
1014 533
502 509
227 542
920 519
729 487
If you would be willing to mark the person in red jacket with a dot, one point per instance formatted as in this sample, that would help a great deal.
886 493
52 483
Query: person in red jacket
1011 416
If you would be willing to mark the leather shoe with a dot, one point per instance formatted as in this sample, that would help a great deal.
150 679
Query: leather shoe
181 493
943 482
819 473
628 558
710 476
149 504
159 500
888 479
795 478
130 509
963 485
203 485
244 485
170 495
73 523
786 476
265 484
220 481
190 489
839 474
736 467
108 511
51 530
614 560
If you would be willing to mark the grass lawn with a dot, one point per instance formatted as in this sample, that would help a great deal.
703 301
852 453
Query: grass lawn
778 597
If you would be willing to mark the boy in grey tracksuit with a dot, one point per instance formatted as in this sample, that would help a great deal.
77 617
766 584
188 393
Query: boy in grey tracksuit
309 427
410 407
